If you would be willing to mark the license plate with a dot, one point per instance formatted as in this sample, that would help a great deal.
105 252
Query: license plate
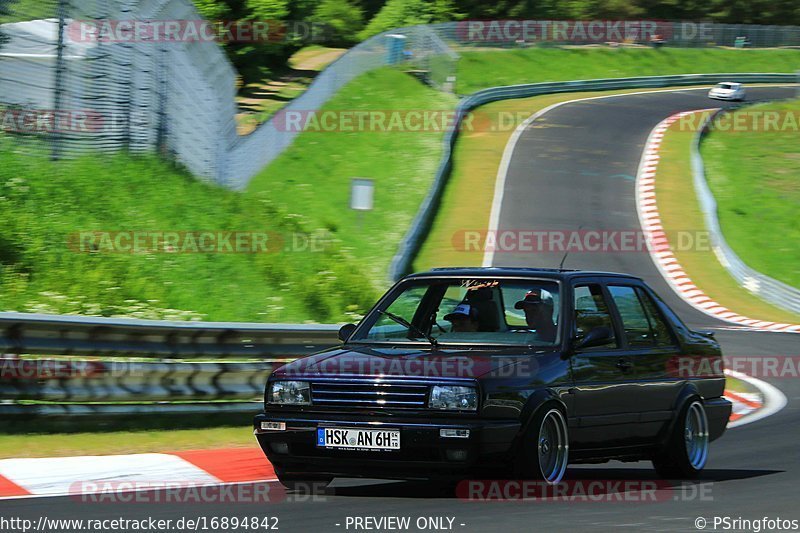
358 439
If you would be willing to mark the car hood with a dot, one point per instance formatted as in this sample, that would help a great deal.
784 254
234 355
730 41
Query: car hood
444 363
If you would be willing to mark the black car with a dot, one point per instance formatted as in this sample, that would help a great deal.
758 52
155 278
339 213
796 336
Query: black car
481 371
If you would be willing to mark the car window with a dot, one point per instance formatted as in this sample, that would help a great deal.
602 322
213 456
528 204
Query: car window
404 306
591 311
658 326
475 311
634 317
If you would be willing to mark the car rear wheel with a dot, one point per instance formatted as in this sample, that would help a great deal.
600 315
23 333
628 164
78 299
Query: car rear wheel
687 449
544 453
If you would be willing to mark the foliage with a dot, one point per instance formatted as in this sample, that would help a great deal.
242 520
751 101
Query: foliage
344 17
332 264
753 172
399 13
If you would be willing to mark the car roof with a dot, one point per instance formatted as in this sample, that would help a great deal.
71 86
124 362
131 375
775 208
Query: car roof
523 272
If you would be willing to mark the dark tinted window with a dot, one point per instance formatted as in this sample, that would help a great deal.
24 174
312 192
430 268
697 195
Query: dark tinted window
591 311
634 317
658 325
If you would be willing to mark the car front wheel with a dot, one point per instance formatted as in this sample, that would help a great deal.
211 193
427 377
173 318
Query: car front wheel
687 448
544 452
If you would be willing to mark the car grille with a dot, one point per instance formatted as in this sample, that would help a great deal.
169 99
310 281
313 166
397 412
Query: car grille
371 394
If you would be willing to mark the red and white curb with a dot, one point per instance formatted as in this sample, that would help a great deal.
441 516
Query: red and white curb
744 403
71 476
659 247
750 407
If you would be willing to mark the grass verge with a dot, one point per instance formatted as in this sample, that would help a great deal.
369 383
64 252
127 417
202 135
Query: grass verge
124 442
680 211
753 173
328 266
479 69
315 173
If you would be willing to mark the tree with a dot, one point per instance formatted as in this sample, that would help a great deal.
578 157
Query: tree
343 17
399 13
268 9
212 9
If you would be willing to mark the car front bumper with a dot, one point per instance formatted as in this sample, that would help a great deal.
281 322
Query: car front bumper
423 452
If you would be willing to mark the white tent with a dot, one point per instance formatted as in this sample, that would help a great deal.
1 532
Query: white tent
28 52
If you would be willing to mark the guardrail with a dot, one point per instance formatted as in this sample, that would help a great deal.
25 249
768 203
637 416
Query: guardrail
412 241
128 366
774 291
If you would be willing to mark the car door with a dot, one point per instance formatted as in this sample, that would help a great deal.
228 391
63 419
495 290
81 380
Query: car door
650 345
603 384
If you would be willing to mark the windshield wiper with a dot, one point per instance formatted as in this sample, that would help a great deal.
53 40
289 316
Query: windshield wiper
406 324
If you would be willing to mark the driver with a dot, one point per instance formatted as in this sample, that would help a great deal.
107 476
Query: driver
538 306
463 318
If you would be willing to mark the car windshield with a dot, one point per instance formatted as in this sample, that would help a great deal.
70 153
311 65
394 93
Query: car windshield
725 86
466 311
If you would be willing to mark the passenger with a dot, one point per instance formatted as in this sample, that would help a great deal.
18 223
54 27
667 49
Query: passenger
538 306
463 318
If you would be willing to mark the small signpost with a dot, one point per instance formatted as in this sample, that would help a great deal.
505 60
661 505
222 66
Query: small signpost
361 197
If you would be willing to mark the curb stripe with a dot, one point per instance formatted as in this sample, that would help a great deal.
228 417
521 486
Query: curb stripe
9 488
661 253
231 465
69 475
741 399
774 400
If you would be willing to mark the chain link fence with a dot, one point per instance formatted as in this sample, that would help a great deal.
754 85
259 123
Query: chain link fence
65 91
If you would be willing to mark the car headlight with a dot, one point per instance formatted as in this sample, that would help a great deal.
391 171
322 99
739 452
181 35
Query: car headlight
454 398
289 393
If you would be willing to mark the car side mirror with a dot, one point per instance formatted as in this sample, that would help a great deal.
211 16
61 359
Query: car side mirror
345 332
599 336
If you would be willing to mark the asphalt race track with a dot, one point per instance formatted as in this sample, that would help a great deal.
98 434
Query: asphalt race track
574 168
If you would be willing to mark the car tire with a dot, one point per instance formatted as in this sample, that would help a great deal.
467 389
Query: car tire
543 454
686 451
